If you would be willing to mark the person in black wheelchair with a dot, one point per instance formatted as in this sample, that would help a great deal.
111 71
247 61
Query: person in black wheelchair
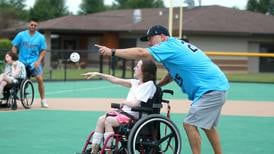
141 89
14 71
118 128
12 80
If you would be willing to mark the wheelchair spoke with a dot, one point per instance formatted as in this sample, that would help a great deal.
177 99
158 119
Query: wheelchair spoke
168 144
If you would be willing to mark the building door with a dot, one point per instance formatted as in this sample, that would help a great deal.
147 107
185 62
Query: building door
267 63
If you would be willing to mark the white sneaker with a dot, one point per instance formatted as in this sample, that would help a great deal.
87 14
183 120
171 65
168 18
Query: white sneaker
44 104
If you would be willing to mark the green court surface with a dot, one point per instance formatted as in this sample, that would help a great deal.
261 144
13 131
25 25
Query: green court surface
64 132
104 89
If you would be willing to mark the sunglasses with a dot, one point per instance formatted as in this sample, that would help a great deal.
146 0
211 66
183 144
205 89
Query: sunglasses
33 25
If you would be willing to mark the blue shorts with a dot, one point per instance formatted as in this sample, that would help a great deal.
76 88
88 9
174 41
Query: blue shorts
34 71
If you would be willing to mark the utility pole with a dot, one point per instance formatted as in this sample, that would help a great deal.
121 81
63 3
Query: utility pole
170 18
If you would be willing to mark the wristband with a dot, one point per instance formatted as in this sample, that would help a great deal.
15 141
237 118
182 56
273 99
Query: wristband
113 52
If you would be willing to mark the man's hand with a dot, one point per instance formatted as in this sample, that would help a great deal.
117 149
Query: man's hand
14 49
90 74
36 64
103 50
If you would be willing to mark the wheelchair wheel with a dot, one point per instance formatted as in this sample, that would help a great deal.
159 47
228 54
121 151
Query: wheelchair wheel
6 101
13 103
10 101
27 94
122 150
154 134
120 147
86 149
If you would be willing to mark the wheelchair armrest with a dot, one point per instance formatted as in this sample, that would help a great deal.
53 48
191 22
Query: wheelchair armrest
168 91
115 105
142 109
147 109
165 101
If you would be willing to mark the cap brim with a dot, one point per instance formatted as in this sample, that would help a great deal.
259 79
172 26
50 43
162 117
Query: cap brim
144 39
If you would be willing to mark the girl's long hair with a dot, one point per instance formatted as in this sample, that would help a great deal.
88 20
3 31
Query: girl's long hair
13 56
149 70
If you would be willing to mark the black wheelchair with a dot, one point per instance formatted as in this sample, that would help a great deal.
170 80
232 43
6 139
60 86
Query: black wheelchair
152 133
22 90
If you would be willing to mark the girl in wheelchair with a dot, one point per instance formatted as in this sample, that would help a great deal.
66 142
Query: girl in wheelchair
13 71
141 89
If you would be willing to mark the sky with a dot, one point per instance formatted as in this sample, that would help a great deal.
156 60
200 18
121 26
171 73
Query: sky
73 5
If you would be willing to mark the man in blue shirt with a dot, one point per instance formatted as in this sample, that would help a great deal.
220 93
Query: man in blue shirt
198 77
32 46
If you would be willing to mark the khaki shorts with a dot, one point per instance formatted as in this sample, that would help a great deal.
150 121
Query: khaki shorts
205 112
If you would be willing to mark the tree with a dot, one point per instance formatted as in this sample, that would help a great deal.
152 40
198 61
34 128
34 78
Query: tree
91 6
13 7
12 12
124 4
263 6
18 4
190 3
48 9
252 5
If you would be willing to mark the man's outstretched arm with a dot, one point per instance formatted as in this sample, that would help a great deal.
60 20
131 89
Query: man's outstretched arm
128 53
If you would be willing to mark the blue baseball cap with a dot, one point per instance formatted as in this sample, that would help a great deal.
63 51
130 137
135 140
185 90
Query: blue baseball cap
155 30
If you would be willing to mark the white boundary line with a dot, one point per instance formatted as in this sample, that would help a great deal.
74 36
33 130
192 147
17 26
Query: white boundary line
82 89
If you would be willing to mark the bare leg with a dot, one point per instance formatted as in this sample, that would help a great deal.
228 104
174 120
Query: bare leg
98 135
214 139
1 77
41 87
4 80
193 138
100 126
2 85
110 122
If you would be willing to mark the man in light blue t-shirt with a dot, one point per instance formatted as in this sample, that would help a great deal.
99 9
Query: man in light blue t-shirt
31 47
198 77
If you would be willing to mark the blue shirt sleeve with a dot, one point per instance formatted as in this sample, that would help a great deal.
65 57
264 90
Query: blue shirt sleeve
16 41
161 51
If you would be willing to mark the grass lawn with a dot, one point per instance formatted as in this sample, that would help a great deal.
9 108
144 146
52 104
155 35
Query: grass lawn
251 77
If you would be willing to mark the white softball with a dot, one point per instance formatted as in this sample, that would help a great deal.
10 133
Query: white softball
74 57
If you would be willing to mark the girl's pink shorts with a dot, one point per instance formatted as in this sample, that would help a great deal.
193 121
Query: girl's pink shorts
121 118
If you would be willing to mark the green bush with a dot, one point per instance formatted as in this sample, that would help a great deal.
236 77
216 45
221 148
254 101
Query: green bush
5 44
